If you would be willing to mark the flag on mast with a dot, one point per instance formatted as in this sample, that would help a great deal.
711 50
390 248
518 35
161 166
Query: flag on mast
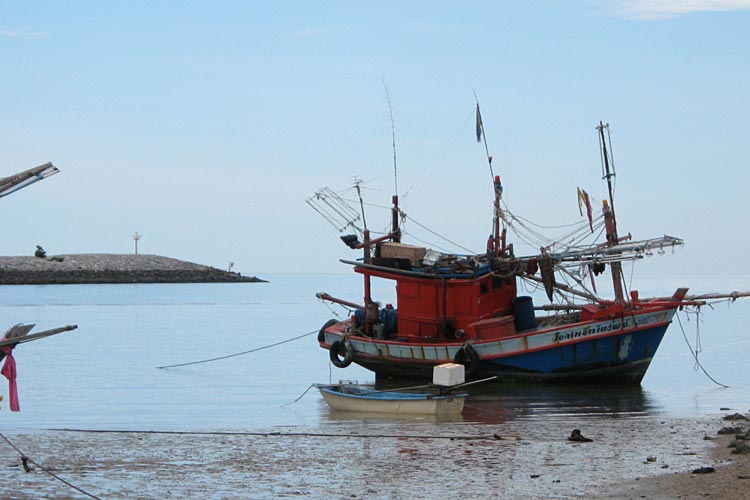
480 127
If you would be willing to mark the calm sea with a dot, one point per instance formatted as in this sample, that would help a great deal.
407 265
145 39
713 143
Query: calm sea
104 375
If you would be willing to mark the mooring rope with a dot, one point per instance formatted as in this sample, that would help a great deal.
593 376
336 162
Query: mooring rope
283 434
240 353
25 458
697 362
300 396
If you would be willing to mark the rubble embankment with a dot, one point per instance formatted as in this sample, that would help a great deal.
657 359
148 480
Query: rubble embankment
110 268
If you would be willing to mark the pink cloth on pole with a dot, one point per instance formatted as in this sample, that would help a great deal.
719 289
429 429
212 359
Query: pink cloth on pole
9 370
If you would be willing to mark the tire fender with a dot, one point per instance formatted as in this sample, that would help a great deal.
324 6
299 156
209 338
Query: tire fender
348 351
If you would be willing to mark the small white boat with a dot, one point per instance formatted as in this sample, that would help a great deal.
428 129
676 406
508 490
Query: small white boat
356 398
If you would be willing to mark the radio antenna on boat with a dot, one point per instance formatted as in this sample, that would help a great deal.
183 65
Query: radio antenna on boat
393 136
483 138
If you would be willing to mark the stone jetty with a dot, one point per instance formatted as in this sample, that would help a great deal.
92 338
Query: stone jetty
110 268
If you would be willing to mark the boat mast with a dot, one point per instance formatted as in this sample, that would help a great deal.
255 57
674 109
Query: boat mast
496 242
610 220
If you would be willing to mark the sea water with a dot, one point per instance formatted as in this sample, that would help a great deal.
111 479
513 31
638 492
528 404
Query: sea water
106 375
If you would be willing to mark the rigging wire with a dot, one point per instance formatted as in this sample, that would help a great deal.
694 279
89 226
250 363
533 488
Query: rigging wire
528 146
428 243
429 170
438 235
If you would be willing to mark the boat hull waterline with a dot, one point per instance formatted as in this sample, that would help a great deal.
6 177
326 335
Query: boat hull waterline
616 350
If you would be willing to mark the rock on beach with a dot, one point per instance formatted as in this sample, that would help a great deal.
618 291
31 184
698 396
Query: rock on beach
110 268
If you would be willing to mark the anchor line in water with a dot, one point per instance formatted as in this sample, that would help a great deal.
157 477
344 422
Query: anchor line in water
25 458
300 396
697 362
240 353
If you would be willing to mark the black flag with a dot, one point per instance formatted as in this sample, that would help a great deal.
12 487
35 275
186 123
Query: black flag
480 127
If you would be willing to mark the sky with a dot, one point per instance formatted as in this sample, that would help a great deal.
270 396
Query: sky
204 126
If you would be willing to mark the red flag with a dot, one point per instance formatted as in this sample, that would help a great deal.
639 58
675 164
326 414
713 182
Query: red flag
583 197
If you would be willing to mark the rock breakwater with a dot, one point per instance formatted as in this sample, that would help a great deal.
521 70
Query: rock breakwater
110 268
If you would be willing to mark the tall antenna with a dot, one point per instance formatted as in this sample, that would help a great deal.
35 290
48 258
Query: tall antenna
483 138
393 136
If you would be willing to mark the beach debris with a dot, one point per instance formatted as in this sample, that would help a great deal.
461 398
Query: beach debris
500 437
704 470
736 416
740 448
578 437
25 463
731 430
651 458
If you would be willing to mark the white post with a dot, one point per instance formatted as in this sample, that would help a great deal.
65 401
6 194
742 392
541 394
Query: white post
137 236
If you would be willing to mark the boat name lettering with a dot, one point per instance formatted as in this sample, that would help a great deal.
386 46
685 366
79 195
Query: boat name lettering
592 330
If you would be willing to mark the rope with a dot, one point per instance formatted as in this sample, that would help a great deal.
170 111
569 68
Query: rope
239 353
25 459
280 434
300 396
698 363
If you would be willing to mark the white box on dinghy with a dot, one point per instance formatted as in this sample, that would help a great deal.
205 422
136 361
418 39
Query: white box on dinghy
448 374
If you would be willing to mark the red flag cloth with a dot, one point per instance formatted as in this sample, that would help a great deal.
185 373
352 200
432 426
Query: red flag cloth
589 212
9 370
583 199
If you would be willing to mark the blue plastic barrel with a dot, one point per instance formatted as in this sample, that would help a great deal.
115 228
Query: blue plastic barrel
523 311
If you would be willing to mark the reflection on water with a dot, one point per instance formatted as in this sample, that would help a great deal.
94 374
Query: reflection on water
498 403
343 417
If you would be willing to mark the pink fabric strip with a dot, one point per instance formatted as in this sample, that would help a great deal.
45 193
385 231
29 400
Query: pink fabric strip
9 370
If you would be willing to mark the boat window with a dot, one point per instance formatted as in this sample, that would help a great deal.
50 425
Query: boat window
497 282
483 287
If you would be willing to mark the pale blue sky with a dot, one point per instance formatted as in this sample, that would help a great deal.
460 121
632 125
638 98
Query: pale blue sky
206 125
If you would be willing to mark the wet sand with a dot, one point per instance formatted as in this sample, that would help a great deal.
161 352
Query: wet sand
385 459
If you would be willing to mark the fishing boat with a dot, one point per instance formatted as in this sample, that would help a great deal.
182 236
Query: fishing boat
351 397
465 308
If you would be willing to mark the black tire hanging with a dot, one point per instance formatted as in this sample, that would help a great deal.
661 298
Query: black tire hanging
468 357
322 332
336 349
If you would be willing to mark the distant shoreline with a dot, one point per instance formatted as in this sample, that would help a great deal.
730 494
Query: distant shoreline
77 269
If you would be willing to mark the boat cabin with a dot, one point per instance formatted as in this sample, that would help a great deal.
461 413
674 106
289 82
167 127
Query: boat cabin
464 300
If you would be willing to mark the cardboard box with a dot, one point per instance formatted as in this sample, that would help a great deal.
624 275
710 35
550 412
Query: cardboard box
401 251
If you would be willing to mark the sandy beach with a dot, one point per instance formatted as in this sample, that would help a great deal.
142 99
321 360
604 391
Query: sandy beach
383 460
